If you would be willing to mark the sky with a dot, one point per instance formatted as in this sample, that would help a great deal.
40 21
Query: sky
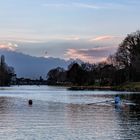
89 30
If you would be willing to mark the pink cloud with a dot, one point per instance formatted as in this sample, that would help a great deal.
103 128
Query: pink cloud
107 38
93 55
103 38
8 46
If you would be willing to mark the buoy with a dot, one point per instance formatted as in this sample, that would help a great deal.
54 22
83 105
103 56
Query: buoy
30 102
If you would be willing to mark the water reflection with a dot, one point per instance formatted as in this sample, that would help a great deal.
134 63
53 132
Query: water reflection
68 120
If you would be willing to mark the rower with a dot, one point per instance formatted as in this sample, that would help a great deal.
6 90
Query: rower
117 100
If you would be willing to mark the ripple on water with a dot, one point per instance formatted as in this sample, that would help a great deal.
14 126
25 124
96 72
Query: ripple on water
65 121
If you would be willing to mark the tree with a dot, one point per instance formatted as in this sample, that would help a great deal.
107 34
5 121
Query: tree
76 75
55 76
128 55
89 73
121 67
6 72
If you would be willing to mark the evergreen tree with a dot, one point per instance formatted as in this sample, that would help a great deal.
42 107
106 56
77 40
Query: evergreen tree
6 72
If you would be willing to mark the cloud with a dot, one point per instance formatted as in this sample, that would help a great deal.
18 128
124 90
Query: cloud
95 6
93 55
74 5
106 40
89 6
65 46
69 38
40 39
60 46
8 46
63 38
57 5
103 38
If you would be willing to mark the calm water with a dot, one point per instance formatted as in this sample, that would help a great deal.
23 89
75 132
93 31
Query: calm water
58 114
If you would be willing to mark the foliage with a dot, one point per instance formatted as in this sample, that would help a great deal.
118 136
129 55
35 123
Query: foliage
128 86
6 73
121 67
127 56
55 76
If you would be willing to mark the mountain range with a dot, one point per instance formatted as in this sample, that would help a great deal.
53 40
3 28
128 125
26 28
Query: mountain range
30 66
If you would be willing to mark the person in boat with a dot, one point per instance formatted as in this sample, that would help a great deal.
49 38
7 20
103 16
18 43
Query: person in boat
117 100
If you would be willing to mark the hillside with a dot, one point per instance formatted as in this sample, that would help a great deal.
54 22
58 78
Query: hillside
32 67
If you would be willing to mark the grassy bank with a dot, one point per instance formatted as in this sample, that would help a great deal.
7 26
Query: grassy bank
90 88
130 86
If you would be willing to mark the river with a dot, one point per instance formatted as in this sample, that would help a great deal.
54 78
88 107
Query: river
60 114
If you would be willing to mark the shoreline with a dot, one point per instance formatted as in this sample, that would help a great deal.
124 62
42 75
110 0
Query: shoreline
108 88
90 88
129 87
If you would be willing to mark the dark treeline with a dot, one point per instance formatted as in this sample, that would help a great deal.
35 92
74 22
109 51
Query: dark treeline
121 67
28 81
7 74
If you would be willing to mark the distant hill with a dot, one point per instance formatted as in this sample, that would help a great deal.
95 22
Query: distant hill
32 67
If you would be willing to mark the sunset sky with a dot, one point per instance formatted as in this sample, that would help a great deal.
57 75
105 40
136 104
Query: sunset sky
86 29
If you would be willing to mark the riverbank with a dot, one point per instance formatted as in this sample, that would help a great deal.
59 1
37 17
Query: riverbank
90 88
130 86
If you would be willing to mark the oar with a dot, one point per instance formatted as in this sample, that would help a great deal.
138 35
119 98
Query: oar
101 102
